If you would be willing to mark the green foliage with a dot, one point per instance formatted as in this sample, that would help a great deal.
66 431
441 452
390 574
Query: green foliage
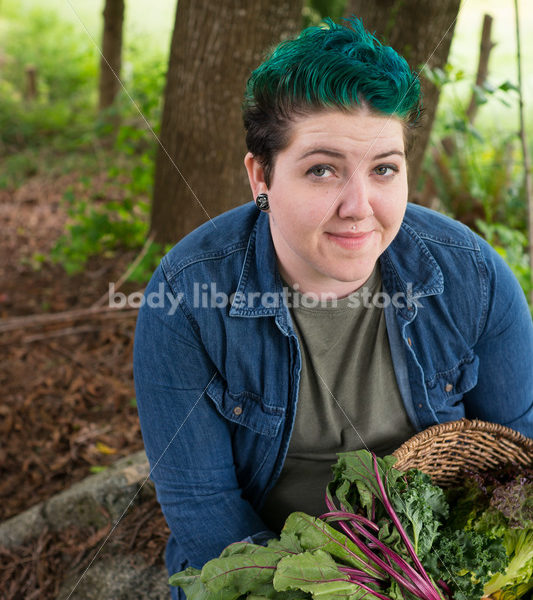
422 508
499 506
106 227
103 228
476 171
470 559
354 482
314 534
143 76
67 70
97 229
315 10
64 118
470 554
317 573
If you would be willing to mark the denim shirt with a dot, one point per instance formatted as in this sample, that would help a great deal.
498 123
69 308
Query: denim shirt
217 362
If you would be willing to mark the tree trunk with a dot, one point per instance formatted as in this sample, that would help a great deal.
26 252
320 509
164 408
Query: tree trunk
111 52
420 30
199 170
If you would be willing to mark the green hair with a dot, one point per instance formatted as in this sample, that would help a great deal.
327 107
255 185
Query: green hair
331 66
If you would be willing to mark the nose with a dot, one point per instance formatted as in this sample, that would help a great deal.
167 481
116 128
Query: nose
355 200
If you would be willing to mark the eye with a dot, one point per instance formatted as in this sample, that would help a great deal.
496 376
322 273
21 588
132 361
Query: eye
386 170
320 171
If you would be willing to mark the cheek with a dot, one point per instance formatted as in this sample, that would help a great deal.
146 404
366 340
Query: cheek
390 218
392 207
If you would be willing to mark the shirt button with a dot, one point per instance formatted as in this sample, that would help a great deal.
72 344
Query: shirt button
237 411
419 405
448 387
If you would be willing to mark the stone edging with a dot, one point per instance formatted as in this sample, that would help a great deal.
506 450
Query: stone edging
90 502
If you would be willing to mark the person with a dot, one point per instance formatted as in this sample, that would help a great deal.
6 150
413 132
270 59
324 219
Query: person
328 315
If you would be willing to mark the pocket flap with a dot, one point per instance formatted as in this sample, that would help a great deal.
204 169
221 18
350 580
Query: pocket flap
458 380
245 408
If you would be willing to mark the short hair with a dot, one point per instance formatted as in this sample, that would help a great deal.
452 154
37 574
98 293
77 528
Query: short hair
329 66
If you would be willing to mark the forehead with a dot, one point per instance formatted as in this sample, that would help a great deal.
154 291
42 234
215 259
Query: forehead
357 129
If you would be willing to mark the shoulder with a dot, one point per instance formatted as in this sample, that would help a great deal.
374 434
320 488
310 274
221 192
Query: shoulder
217 238
448 239
438 229
475 277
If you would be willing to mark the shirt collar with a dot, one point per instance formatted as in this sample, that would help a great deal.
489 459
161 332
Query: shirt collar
260 289
408 266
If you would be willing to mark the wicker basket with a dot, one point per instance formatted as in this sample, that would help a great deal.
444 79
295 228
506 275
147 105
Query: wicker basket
445 451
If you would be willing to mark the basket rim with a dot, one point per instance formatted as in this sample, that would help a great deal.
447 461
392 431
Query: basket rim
463 425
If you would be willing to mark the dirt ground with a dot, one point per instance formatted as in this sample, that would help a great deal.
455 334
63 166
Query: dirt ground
67 402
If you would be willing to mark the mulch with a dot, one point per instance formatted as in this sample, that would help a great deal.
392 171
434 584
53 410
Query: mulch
36 570
67 402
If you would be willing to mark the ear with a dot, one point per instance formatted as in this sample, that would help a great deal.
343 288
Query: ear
256 175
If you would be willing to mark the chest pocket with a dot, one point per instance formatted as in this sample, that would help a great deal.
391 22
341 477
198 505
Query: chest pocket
447 388
245 409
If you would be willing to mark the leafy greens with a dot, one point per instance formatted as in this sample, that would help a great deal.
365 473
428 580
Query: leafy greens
386 535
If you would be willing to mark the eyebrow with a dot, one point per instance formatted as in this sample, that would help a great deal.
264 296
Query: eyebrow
390 153
337 154
325 151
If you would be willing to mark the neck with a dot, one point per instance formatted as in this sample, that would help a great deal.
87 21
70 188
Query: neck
320 287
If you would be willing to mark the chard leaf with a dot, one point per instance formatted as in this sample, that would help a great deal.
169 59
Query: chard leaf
354 481
314 534
315 572
268 592
287 543
189 580
238 548
246 570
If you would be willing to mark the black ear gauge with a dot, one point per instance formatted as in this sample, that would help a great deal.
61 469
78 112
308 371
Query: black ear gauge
262 202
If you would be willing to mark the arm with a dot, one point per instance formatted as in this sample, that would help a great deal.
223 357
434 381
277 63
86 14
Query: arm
504 393
188 443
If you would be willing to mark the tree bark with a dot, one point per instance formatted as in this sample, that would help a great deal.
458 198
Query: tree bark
111 61
421 31
485 47
199 169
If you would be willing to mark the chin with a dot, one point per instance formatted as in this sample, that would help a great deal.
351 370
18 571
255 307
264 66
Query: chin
363 271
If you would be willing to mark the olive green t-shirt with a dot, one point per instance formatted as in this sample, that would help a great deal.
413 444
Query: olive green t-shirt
348 396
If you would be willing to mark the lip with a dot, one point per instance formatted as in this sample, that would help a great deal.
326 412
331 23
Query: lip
350 240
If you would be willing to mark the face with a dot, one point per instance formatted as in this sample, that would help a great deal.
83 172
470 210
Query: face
340 171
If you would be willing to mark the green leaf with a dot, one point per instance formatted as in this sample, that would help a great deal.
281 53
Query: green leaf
316 572
355 483
268 592
421 508
95 469
288 542
314 534
507 85
244 569
468 560
189 580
